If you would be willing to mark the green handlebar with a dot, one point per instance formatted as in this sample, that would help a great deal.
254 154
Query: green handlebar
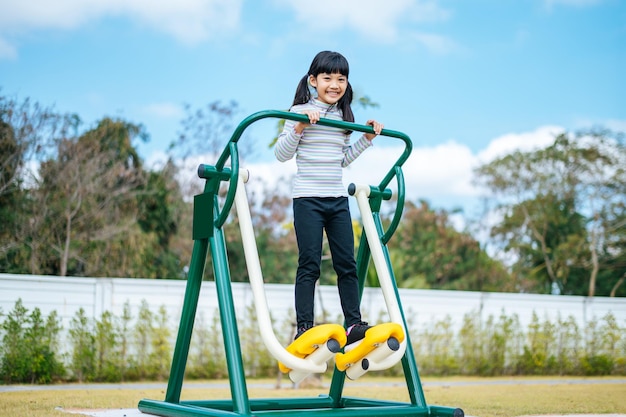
230 152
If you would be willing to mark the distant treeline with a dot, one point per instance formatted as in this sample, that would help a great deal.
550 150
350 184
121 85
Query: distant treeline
78 200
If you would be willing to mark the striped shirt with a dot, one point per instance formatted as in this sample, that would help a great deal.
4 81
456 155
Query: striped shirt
321 153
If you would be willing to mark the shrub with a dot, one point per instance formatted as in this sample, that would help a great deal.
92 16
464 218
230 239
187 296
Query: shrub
83 343
116 349
206 356
28 347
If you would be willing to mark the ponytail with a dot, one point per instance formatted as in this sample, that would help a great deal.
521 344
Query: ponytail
345 106
303 94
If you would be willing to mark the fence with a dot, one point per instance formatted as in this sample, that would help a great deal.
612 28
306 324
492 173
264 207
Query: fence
66 295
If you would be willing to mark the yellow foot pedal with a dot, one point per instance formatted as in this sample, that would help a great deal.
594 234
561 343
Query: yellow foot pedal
317 345
379 342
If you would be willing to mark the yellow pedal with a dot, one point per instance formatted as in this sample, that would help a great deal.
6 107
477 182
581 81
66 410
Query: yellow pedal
331 335
374 337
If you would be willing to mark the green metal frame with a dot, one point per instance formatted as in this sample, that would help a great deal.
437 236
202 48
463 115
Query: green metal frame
209 217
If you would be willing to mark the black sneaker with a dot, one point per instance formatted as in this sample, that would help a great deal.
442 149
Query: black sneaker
356 332
303 328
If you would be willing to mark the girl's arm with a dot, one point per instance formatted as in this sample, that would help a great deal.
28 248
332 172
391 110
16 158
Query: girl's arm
352 152
289 138
287 142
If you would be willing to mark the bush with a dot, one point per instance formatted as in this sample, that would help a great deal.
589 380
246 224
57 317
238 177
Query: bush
596 365
83 342
28 347
113 349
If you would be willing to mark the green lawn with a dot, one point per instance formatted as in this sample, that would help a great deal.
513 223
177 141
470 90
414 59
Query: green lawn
476 396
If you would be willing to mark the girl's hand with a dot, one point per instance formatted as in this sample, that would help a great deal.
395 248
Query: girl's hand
314 117
378 127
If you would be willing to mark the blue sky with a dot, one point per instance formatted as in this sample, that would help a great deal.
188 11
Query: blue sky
466 80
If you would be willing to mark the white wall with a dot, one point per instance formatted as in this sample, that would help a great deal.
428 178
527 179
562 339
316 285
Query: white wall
96 295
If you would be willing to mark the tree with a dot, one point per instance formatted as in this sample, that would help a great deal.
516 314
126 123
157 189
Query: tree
29 133
205 130
428 252
562 211
160 207
89 191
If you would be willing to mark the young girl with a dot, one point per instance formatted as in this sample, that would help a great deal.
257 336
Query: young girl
320 200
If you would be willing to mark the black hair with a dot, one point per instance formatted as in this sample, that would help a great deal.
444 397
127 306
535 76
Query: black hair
330 63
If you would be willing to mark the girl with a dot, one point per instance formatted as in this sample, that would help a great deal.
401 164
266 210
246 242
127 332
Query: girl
320 200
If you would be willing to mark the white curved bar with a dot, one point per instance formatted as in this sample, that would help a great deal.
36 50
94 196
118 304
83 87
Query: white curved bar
384 277
256 282
320 356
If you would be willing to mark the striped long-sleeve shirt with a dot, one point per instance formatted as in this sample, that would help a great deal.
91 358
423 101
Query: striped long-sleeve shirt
321 153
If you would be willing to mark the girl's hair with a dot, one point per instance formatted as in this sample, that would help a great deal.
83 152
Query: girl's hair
330 63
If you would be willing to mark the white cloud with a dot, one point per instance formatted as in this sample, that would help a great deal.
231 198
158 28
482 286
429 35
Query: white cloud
189 21
617 125
442 173
373 19
528 141
164 110
435 43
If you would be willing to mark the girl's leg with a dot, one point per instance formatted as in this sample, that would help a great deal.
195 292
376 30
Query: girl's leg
308 222
341 241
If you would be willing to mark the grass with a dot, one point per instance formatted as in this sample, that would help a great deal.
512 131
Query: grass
477 397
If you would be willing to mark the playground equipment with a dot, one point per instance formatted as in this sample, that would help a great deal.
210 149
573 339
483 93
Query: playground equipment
383 346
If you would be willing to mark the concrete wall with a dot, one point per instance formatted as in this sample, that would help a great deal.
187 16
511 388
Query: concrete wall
66 295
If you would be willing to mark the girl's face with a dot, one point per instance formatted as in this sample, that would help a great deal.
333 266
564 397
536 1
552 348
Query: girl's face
330 87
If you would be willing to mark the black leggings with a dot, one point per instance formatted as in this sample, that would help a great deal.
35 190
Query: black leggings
311 216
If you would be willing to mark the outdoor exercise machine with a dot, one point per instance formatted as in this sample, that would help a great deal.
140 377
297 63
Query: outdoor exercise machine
384 345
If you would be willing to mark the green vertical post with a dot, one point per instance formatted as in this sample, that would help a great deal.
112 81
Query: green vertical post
187 318
409 364
202 228
232 345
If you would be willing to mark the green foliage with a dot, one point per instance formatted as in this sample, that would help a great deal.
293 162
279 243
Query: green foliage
159 209
437 349
79 214
568 345
601 351
537 358
83 342
563 214
92 209
501 347
123 342
107 364
206 356
160 357
142 332
28 347
113 349
428 252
